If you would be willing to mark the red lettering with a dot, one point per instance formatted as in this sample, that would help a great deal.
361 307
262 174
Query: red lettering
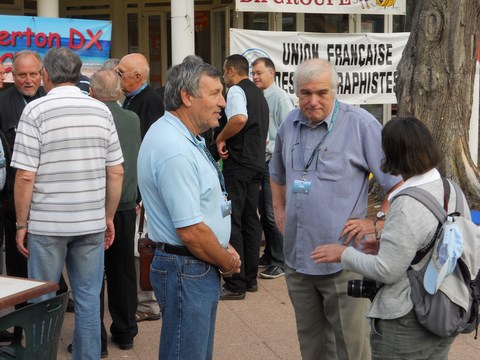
4 38
16 34
72 44
41 40
28 34
6 56
54 37
94 39
345 2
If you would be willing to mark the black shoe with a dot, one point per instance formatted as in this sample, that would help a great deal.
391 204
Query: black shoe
272 272
103 353
263 262
6 336
230 295
70 306
253 288
123 345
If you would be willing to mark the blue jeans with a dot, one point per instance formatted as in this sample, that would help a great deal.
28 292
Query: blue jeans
188 291
84 259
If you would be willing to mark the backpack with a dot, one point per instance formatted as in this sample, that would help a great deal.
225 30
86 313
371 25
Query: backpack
448 315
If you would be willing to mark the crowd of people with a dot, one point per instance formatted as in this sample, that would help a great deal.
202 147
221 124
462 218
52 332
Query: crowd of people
300 175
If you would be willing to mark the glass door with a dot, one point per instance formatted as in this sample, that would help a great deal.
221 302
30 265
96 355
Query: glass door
156 47
219 35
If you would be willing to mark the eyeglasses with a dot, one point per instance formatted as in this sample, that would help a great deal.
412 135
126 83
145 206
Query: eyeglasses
121 74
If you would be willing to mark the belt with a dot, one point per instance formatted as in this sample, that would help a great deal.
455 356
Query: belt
172 249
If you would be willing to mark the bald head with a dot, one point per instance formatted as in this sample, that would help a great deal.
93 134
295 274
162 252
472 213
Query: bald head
133 71
104 85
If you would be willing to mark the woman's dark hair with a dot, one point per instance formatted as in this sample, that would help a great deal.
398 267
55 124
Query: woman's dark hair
409 148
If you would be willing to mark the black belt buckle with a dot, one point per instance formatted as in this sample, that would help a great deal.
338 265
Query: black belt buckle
175 250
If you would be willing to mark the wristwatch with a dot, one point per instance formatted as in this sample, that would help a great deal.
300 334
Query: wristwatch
380 215
20 227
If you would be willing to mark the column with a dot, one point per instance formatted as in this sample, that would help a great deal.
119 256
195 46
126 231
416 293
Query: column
48 8
183 29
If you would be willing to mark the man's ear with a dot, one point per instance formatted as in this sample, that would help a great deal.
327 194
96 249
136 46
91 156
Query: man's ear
186 98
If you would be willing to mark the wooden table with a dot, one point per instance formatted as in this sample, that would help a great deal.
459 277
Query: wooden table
14 290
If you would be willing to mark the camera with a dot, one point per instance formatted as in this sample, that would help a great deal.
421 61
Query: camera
365 288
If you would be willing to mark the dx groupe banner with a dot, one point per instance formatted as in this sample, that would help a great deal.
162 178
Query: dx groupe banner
377 7
366 63
90 39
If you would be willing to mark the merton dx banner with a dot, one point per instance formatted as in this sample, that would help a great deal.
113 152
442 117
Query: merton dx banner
378 7
366 63
90 39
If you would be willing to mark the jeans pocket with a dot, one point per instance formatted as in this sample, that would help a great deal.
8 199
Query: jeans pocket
195 268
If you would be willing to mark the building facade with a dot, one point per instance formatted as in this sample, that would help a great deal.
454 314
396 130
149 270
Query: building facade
145 26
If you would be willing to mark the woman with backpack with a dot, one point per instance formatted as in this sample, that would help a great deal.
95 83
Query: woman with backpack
411 152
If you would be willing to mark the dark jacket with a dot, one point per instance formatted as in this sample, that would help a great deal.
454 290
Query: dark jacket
12 103
247 147
128 129
148 105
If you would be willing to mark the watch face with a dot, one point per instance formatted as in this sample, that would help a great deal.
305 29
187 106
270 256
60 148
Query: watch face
380 215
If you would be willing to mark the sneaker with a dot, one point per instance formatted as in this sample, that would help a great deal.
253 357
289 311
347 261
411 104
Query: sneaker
122 343
272 272
263 262
230 295
253 288
146 316
103 353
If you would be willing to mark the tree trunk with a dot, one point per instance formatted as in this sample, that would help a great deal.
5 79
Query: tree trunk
435 82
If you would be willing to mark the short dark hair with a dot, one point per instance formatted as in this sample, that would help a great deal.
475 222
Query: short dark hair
266 61
239 63
409 148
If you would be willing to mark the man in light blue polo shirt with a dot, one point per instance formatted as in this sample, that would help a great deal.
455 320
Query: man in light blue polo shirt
184 195
324 152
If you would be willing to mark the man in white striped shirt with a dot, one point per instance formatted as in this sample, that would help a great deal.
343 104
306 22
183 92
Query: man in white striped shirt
67 188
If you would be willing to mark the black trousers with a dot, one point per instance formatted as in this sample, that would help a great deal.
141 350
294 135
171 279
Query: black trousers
273 237
15 263
121 281
243 185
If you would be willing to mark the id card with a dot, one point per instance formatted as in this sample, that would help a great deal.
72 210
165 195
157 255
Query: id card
301 186
227 208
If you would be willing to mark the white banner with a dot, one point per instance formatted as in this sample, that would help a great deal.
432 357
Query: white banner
366 63
378 7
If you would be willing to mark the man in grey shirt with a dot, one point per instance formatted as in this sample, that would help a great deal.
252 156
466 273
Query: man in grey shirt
324 153
279 105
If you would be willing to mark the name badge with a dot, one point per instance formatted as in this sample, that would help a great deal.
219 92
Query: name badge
301 186
227 208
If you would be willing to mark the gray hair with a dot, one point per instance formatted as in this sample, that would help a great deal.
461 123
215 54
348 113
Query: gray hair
110 64
186 76
105 85
312 69
25 53
63 65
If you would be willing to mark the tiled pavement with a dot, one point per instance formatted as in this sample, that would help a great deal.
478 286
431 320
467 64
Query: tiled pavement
261 327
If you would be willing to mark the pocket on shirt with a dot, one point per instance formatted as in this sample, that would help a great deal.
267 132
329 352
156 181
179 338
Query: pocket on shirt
331 165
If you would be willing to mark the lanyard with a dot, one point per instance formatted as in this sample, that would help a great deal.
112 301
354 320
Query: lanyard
315 150
210 158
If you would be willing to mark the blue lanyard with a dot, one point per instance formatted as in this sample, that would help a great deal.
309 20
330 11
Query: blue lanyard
315 150
210 158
